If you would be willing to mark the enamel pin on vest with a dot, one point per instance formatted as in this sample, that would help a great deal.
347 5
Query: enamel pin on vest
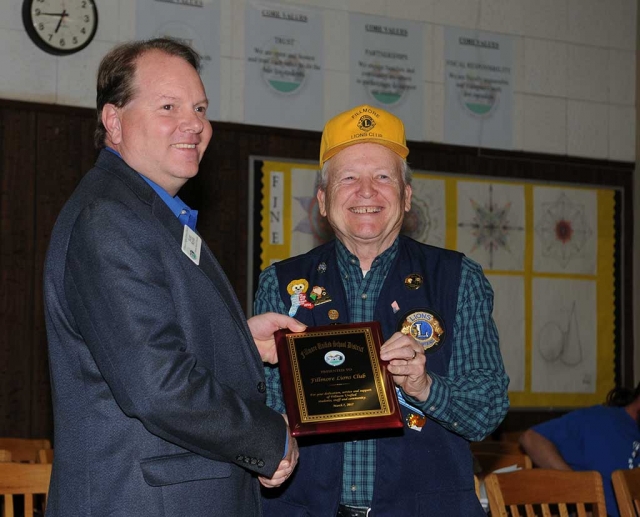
425 326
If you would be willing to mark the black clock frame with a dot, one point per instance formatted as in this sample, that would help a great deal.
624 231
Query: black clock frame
34 35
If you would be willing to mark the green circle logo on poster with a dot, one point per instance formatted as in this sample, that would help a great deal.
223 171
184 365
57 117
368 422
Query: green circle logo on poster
385 83
283 69
478 95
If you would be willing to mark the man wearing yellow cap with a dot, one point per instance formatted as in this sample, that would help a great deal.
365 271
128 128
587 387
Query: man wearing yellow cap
434 306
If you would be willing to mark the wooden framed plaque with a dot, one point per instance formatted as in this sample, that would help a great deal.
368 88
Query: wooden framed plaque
334 381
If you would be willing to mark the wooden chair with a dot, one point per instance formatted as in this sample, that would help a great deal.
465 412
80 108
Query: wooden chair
545 492
626 484
490 462
5 455
492 455
45 456
24 449
23 479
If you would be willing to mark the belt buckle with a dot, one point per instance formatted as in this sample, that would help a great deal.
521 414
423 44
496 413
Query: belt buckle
354 510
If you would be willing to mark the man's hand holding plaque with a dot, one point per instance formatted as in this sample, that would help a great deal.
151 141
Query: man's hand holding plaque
334 381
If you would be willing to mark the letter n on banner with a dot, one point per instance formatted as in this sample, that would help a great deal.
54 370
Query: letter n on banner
276 208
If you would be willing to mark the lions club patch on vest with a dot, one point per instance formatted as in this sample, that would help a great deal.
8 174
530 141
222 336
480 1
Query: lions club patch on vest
425 326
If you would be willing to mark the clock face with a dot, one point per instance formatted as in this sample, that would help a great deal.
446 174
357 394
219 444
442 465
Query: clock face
60 26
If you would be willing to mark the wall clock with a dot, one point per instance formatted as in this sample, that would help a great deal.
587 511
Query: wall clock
60 27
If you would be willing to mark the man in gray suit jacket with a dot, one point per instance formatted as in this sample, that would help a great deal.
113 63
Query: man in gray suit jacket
157 378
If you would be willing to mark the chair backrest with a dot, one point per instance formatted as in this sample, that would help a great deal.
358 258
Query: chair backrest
490 462
547 492
27 479
24 449
626 484
45 456
5 455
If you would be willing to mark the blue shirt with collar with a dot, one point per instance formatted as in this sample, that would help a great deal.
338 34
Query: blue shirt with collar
179 208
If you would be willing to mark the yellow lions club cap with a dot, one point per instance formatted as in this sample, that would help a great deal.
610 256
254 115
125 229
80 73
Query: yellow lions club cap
359 125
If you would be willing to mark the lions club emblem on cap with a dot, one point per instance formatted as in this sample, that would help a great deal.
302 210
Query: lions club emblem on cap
366 123
425 326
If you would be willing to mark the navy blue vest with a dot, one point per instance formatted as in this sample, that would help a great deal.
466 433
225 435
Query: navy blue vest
428 472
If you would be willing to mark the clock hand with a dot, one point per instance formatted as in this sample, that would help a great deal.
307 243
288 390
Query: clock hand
52 14
62 17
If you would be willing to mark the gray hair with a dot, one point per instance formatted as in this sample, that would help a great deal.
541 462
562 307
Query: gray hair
323 179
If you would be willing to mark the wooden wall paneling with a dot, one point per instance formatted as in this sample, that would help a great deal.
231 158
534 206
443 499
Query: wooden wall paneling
234 150
64 154
226 210
17 182
214 192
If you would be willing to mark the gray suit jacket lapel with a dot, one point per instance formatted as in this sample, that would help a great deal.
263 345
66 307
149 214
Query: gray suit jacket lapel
209 266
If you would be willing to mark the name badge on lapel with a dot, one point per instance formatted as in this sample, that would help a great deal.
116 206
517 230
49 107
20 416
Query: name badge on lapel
191 244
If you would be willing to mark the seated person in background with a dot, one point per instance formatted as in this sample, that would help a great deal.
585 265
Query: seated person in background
603 438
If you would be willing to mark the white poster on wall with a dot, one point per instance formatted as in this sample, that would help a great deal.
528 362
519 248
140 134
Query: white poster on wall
478 88
194 22
509 316
386 60
564 336
491 224
565 226
283 84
